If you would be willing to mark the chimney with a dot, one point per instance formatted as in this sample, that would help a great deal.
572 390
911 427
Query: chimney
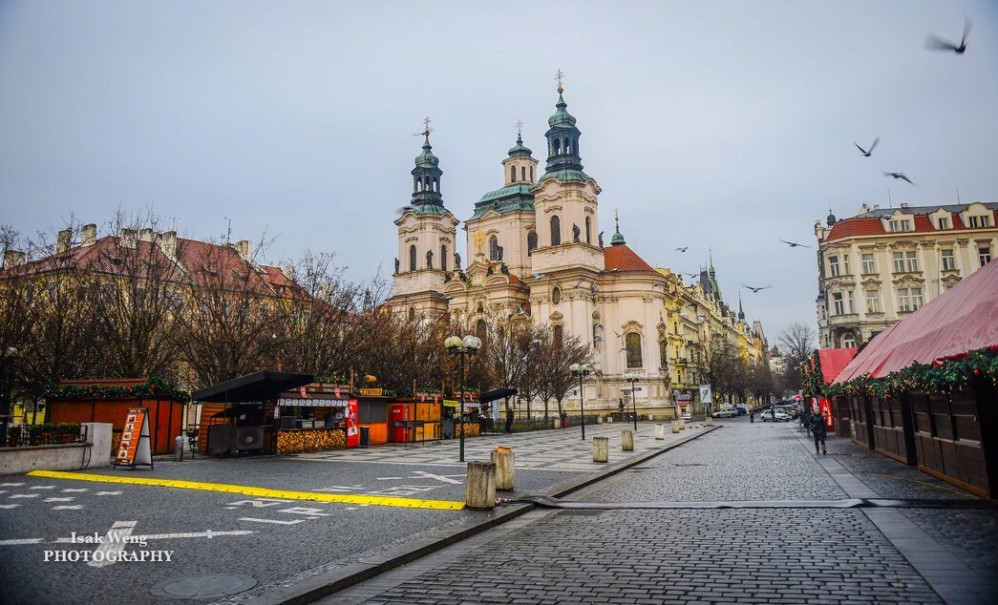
12 258
63 241
145 235
168 244
243 247
129 238
88 235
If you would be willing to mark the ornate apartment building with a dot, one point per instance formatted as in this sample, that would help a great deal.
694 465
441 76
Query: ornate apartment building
877 267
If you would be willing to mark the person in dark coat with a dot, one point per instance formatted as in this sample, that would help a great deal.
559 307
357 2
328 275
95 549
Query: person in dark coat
816 423
509 420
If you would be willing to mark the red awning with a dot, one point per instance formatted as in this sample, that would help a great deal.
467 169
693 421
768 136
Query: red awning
833 361
964 319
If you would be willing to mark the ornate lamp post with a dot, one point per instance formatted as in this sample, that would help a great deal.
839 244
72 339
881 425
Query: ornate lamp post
581 371
6 374
632 378
469 345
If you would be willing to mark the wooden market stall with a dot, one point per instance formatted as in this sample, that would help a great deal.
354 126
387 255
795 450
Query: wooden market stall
79 401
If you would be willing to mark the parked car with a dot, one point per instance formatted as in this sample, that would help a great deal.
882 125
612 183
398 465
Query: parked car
775 416
687 416
741 410
725 413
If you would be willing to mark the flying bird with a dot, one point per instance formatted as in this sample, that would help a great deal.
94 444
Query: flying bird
401 209
935 43
756 289
691 275
898 175
683 249
866 152
794 244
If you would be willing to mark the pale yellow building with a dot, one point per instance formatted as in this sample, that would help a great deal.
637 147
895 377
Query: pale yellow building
884 263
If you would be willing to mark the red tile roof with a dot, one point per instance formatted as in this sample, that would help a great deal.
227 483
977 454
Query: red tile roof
859 226
622 258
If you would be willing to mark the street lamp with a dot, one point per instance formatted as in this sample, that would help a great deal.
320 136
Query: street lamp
6 373
581 370
468 345
633 378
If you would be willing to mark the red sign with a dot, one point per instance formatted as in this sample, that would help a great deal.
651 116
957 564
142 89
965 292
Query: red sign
130 434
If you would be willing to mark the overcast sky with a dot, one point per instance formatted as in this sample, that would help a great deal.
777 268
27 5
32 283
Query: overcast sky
722 126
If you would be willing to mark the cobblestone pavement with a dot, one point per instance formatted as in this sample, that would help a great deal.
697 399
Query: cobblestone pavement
755 517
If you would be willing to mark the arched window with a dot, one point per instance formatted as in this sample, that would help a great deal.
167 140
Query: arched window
512 173
531 242
531 173
412 258
632 342
557 335
412 313
523 173
589 224
555 230
443 257
419 183
557 146
493 248
480 331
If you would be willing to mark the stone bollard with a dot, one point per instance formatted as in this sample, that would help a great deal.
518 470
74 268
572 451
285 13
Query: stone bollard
502 458
710 421
601 449
677 426
609 419
480 488
660 431
627 441
599 420
556 423
178 448
682 424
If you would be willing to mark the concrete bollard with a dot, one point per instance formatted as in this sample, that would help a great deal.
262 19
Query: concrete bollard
599 420
502 458
710 421
556 423
627 441
609 419
178 448
682 424
601 449
676 426
480 488
660 431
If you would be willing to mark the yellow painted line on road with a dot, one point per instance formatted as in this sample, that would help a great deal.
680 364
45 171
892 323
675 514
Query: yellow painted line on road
260 492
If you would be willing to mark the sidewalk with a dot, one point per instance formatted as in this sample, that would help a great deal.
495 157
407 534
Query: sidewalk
736 515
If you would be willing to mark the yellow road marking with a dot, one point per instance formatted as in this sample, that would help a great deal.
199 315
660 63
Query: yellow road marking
261 492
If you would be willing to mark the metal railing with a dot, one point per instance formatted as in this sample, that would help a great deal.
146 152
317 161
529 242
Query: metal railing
23 435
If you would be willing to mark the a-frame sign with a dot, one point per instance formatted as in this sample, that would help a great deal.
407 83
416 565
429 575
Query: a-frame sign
135 447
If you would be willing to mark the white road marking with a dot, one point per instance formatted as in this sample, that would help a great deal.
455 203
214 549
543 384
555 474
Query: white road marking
9 505
66 499
71 490
340 488
20 542
274 521
109 493
256 503
43 487
68 507
114 542
11 484
24 496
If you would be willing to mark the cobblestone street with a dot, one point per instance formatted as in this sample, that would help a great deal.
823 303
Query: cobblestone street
744 514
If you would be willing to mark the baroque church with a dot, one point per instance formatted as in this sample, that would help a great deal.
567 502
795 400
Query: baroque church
537 254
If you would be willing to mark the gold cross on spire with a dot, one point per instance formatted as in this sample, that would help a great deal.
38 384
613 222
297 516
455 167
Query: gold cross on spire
558 76
519 128
426 128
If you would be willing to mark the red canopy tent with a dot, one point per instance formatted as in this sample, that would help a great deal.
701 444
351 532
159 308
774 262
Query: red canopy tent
833 361
962 320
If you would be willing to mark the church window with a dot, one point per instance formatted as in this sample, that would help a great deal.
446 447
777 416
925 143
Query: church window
436 185
557 335
575 145
531 242
419 183
494 248
557 147
556 296
412 258
589 224
555 230
523 173
443 258
481 331
531 173
512 173
412 313
632 342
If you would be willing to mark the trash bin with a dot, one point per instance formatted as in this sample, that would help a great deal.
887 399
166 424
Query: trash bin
365 436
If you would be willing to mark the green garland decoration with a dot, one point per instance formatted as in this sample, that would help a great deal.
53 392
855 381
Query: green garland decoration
949 376
154 388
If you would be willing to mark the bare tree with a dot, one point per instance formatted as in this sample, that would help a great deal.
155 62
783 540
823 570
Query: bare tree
554 359
798 342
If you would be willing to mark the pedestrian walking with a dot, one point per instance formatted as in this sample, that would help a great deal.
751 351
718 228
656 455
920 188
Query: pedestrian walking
816 423
509 421
751 415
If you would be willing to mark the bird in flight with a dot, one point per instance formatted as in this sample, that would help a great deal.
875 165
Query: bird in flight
690 275
794 244
866 152
401 209
756 289
683 249
898 175
939 44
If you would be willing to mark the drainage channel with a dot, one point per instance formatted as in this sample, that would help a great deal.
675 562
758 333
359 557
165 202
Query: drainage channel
551 502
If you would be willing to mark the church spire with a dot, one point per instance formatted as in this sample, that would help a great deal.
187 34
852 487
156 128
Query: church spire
563 137
426 174
618 238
